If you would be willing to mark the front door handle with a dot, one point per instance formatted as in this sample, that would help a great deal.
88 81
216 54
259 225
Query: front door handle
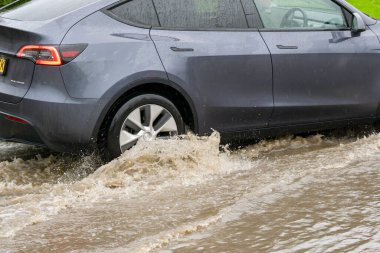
286 47
177 49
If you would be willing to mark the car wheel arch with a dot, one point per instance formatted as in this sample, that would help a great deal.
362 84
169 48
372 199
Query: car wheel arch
165 88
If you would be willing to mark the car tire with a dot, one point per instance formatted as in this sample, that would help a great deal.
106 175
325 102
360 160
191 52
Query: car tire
140 117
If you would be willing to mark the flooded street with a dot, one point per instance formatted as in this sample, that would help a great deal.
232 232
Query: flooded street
295 194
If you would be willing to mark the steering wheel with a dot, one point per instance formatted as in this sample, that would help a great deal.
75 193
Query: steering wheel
288 20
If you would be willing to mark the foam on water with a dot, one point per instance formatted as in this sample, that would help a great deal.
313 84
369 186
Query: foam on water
36 190
50 185
285 180
188 159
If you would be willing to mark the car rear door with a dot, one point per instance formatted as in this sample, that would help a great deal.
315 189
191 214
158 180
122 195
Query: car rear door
207 47
322 70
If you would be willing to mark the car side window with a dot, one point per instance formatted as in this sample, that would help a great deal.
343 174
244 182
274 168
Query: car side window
301 14
201 14
140 12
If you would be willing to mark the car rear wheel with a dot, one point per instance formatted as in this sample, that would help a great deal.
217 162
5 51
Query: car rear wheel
145 117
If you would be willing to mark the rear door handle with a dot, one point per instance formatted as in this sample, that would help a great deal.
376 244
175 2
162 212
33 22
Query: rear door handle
177 49
286 47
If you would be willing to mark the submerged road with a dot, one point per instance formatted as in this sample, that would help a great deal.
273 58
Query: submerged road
295 194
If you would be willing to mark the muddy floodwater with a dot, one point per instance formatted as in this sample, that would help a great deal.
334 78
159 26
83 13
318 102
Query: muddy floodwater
291 194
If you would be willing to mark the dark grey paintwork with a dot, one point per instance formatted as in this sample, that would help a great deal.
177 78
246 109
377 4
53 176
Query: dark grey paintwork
332 75
232 85
233 81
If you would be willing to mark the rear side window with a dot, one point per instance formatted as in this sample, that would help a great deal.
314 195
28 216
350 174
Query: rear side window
39 10
200 14
137 11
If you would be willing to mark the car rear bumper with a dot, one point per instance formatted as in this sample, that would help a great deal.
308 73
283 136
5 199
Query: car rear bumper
55 120
18 132
62 127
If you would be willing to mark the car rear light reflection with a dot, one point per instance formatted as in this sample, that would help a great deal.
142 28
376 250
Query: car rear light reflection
51 55
15 119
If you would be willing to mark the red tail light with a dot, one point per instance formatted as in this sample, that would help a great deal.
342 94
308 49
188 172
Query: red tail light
51 55
70 52
41 55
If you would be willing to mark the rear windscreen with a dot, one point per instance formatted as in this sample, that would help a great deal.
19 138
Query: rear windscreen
39 10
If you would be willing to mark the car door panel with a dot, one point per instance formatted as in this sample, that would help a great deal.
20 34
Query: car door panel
231 70
323 75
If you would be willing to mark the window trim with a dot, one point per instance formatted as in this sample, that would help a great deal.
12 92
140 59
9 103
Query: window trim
107 11
188 29
344 11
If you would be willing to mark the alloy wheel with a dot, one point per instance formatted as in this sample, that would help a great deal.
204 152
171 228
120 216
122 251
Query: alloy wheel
149 121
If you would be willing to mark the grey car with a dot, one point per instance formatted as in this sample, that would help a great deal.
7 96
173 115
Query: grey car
85 74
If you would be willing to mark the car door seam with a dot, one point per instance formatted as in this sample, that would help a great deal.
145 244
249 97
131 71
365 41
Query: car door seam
271 60
159 56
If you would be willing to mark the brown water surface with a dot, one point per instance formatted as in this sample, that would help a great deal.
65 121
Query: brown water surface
295 194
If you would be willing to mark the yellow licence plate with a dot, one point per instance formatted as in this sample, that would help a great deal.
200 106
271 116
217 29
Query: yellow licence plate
3 66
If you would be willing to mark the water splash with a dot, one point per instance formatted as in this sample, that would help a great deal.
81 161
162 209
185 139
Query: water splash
185 190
